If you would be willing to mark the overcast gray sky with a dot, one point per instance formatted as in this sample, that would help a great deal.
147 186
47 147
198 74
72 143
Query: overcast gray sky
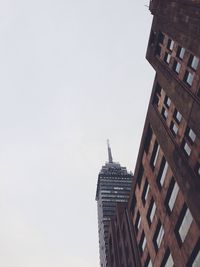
72 74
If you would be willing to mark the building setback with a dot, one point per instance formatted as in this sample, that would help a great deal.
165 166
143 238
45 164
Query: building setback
164 204
113 186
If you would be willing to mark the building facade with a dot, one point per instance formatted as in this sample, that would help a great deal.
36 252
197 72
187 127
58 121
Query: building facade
165 201
122 246
113 186
164 204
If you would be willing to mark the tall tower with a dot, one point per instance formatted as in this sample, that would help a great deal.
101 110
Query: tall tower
113 186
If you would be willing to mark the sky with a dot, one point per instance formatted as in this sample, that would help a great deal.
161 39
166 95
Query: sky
72 74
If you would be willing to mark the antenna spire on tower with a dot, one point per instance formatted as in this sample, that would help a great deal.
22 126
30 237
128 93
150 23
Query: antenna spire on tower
110 159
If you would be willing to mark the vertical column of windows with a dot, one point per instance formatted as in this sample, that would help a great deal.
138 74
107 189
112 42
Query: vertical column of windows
166 105
174 125
188 141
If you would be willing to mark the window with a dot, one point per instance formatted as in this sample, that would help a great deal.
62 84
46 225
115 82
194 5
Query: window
167 58
193 62
167 101
154 155
162 173
148 262
167 260
176 67
143 242
151 212
188 140
188 78
180 52
164 113
158 236
194 260
177 116
145 191
183 224
174 128
171 195
187 150
137 221
170 44
190 135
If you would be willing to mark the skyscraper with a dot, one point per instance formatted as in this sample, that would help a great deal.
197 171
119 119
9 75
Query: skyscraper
113 186
166 198
164 204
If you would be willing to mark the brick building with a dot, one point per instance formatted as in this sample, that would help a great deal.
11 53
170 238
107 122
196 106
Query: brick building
164 205
122 246
165 201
